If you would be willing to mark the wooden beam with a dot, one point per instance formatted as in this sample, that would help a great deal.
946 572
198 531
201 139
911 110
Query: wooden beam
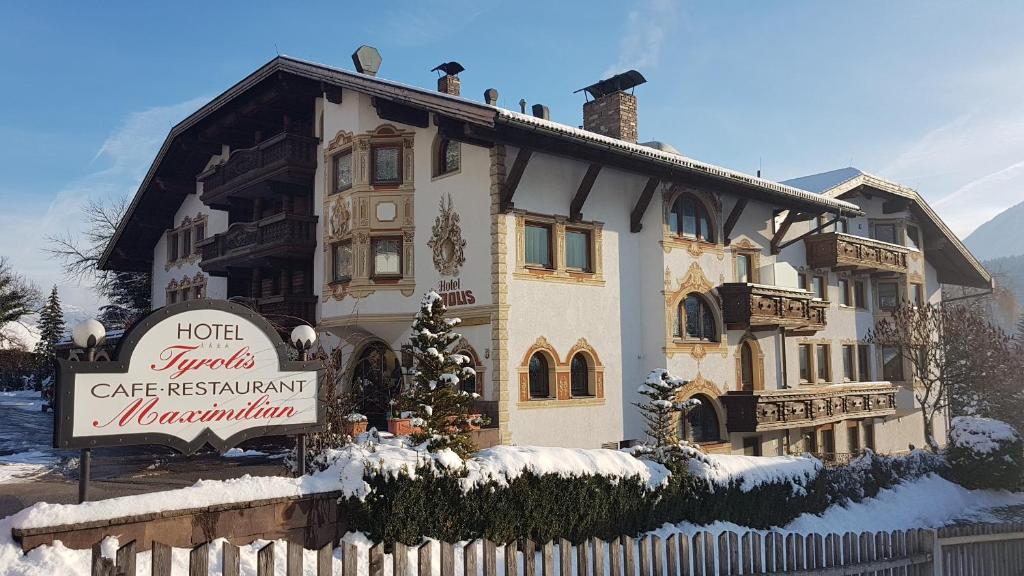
576 206
401 113
177 187
815 230
636 217
734 216
791 217
514 175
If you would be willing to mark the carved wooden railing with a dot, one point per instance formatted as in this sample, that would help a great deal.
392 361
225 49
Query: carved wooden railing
807 405
287 311
280 235
757 306
840 251
285 157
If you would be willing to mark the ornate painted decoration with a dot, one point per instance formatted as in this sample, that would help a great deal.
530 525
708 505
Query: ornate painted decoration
446 240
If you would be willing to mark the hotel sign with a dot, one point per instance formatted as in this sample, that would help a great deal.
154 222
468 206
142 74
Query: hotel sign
194 373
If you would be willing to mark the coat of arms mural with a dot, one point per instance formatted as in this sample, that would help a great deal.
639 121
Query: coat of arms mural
446 241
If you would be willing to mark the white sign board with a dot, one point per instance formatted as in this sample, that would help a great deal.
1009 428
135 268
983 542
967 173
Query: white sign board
199 372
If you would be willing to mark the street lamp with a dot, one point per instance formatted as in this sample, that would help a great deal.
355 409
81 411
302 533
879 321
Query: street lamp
303 336
89 335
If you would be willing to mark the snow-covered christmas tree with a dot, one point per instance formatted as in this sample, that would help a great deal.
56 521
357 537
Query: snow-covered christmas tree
436 402
660 412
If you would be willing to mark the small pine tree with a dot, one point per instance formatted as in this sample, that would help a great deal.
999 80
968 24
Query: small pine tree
51 330
438 405
659 412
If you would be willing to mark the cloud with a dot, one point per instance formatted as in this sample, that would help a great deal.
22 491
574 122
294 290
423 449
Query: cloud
122 161
647 26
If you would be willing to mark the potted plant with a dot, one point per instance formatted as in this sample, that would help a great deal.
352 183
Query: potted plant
354 424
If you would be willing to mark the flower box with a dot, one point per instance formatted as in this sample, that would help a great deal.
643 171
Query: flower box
402 426
354 428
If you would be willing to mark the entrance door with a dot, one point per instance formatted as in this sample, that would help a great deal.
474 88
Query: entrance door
377 382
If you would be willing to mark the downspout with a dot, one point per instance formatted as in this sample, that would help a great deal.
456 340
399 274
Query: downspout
785 370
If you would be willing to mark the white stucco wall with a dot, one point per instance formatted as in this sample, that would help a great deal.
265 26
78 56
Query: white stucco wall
217 221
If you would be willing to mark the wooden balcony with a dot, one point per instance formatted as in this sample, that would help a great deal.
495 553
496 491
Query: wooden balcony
289 310
760 307
282 163
259 244
807 406
840 251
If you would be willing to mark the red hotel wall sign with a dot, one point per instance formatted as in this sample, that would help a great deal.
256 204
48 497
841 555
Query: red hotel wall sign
194 373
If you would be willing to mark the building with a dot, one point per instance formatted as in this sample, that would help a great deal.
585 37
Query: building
577 258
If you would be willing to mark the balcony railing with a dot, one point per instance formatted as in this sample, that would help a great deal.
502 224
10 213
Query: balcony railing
840 251
760 307
289 310
288 159
252 244
807 406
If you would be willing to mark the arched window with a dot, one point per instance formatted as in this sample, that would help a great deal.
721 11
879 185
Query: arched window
376 380
540 379
701 423
695 320
747 366
449 156
690 217
579 372
468 383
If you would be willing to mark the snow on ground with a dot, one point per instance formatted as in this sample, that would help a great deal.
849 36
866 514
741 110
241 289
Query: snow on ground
239 453
928 502
22 399
24 466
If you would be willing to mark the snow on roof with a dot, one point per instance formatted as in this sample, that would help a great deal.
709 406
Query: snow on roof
823 181
673 159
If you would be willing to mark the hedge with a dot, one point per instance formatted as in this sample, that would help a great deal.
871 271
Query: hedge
545 507
985 453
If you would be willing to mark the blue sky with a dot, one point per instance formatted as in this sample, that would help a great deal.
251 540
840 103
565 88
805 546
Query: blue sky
930 94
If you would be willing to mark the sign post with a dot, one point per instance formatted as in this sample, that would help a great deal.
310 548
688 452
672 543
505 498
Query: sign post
201 372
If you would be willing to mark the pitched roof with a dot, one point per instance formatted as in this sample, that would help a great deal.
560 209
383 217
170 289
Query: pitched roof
953 261
132 242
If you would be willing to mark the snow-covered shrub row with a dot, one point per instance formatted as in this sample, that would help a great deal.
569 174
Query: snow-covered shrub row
865 475
985 453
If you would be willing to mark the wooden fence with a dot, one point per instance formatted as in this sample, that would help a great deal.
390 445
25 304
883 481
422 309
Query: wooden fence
991 551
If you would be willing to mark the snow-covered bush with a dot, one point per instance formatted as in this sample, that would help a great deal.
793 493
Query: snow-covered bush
985 453
865 475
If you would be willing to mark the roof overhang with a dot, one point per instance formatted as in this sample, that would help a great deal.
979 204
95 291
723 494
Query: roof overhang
945 252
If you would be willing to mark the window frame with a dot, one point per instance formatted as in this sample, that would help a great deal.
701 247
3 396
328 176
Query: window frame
346 153
821 290
845 295
677 216
374 275
440 161
334 262
548 368
863 362
805 361
819 365
860 295
900 375
374 151
551 264
748 258
586 373
704 311
896 294
886 225
849 362
173 248
589 243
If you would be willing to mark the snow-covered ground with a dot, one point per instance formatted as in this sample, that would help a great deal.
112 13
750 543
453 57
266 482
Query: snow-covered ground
21 458
928 502
21 399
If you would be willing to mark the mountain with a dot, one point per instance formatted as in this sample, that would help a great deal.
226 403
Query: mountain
999 237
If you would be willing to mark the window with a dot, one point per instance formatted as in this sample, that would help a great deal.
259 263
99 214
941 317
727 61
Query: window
819 287
387 164
197 292
185 292
811 440
864 363
694 315
186 241
448 157
860 299
342 262
701 423
538 245
539 376
886 233
744 267
828 440
387 257
805 362
804 282
690 217
918 291
172 246
172 296
752 446
746 367
892 364
579 373
913 237
844 292
869 434
849 360
200 231
577 250
342 172
888 295
823 362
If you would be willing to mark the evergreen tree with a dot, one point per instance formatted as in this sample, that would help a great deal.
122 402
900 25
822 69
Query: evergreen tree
51 330
438 405
660 411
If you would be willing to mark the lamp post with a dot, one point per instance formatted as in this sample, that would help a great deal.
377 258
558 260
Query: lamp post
87 335
302 338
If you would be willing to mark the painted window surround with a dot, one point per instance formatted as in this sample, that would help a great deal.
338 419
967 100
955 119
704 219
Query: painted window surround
559 368
189 224
559 272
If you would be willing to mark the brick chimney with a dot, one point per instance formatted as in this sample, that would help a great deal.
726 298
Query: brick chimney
449 84
612 115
